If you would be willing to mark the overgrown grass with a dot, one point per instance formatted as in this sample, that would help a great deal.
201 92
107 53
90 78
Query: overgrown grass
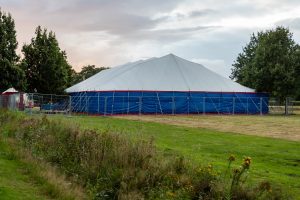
24 177
274 159
14 183
113 166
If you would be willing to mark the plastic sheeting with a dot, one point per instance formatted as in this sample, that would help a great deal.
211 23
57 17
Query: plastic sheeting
141 102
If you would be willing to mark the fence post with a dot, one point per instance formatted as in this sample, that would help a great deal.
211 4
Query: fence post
112 105
173 105
233 105
86 104
286 107
128 103
260 106
188 98
140 105
32 104
70 105
80 106
247 105
98 103
203 105
128 106
105 102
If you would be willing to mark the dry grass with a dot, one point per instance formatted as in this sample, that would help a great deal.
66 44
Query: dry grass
268 126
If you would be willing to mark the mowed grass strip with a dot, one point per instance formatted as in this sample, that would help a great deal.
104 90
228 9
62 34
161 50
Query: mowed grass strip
275 126
14 182
273 159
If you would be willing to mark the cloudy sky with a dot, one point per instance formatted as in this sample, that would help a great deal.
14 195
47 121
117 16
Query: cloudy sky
111 32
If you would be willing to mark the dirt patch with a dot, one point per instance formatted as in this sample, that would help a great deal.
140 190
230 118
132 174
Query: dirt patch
268 126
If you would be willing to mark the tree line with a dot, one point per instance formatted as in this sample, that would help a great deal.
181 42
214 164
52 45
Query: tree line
44 67
270 63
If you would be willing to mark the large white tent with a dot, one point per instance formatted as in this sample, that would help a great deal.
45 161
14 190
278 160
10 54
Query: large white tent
167 73
164 85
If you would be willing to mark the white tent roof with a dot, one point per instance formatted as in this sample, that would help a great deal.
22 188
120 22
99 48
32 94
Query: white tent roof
167 73
10 90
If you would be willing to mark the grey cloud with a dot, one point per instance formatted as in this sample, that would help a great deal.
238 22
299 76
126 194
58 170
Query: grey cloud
119 24
108 28
200 13
292 23
164 36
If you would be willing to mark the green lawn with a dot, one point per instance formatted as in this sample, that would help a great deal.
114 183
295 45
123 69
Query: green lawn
14 182
273 159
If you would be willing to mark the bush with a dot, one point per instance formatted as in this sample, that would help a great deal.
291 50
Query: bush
112 166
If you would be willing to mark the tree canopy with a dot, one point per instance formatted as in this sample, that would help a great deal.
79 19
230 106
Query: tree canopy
11 75
86 72
45 64
270 62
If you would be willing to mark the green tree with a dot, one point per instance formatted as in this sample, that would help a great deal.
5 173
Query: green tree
86 72
11 75
45 64
269 63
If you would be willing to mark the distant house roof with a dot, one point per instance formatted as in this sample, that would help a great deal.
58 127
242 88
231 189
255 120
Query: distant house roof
10 91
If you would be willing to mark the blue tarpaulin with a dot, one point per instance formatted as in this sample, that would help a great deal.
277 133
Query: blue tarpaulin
152 102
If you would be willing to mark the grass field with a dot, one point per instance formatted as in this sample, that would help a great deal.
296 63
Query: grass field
275 126
274 159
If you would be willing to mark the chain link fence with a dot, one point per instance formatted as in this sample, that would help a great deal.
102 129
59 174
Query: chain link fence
36 103
288 107
114 105
111 105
